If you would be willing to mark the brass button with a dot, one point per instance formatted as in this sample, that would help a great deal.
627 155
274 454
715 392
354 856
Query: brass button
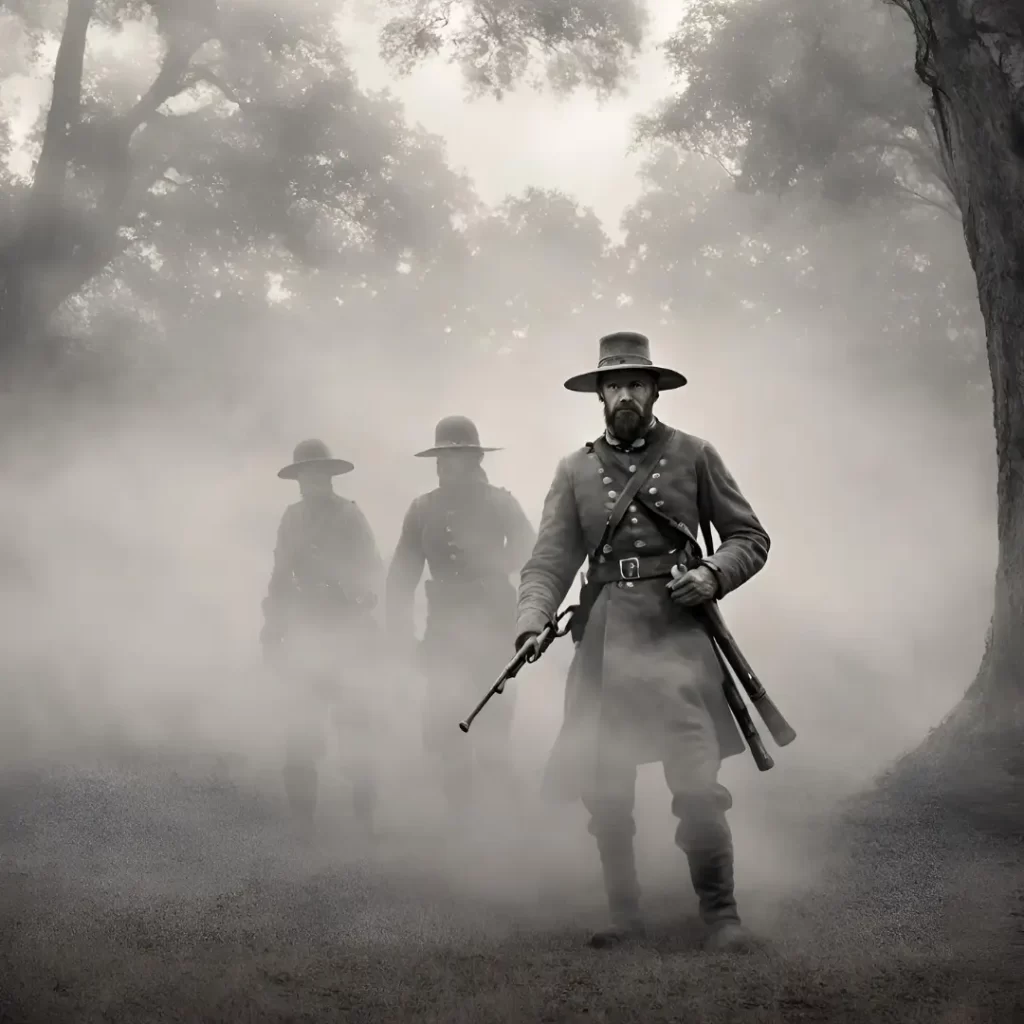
629 584
632 508
613 494
634 521
607 480
655 476
607 549
658 504
662 462
640 544
652 490
632 469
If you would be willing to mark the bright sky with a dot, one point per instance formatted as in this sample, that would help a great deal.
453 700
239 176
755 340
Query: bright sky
529 138
534 138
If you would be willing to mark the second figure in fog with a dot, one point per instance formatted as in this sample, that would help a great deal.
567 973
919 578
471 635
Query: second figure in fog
472 536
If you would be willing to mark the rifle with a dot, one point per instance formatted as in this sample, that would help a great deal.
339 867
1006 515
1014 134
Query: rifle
529 652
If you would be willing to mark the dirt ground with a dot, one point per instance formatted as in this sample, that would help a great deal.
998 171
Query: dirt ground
142 895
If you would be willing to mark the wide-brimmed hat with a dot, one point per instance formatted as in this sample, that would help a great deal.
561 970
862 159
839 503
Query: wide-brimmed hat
625 350
314 454
455 434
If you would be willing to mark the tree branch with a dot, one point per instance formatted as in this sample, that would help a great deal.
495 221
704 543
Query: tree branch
65 104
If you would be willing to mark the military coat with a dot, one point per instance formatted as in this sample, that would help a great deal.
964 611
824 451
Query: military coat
471 537
644 675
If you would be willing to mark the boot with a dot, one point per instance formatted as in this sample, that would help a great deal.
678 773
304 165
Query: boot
712 875
300 786
618 864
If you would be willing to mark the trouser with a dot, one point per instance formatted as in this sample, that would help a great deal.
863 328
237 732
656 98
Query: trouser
465 763
305 748
699 803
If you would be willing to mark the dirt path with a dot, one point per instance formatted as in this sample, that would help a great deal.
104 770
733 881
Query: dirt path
127 899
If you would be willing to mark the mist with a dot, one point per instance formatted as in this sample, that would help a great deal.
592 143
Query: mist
140 515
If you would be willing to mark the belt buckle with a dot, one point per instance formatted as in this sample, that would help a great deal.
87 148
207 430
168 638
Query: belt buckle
629 568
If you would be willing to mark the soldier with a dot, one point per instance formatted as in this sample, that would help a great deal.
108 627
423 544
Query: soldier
472 536
645 684
318 628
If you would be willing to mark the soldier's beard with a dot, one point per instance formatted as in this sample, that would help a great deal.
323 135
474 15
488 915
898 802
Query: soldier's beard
627 420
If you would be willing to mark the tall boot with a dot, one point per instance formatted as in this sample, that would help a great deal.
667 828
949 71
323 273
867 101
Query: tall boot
711 872
618 865
300 786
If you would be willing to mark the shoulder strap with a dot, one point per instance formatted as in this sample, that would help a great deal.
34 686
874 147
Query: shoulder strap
643 470
702 509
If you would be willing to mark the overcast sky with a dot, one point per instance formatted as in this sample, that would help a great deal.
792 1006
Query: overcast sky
529 138
532 138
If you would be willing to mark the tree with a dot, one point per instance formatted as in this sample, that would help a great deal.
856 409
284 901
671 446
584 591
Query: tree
809 95
970 55
107 146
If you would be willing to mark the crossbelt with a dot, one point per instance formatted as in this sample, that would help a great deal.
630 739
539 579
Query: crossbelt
633 568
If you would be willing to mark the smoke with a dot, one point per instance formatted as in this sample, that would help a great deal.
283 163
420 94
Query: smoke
138 544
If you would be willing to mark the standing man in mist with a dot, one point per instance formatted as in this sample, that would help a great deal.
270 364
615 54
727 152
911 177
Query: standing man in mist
319 632
645 684
472 536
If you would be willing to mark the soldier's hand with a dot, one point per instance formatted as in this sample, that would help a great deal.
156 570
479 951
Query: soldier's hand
538 648
692 588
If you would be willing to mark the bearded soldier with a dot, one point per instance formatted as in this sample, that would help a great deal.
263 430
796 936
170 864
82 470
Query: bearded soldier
646 683
472 536
318 628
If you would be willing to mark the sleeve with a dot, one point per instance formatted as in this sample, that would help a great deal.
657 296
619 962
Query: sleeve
557 555
744 543
281 586
404 575
519 534
371 565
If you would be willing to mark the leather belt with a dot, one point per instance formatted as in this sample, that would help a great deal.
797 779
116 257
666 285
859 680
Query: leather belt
634 568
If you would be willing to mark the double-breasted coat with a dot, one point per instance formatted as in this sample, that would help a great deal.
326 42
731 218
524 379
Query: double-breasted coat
471 536
645 675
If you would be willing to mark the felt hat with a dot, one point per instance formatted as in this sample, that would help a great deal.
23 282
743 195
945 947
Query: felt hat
625 350
314 454
455 434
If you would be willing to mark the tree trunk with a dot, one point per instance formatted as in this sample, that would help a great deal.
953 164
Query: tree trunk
971 55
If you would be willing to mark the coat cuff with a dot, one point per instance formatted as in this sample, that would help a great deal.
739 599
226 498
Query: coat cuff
717 572
531 621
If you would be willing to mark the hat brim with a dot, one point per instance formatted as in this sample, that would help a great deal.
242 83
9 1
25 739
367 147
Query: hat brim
668 379
430 453
333 467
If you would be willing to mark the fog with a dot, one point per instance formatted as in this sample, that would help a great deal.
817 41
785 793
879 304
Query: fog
138 546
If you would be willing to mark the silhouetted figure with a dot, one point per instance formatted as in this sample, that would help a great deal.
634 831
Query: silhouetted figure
472 536
319 632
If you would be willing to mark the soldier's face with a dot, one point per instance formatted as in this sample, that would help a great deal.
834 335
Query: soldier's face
454 466
628 397
313 483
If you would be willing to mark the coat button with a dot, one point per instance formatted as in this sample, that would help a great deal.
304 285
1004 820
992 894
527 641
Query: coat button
662 462
634 521
632 469
658 504
632 508
620 584
453 557
613 494
652 490
655 476
607 549
629 584
640 544
607 480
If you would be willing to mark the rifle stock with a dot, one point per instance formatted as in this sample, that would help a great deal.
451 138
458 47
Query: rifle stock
781 731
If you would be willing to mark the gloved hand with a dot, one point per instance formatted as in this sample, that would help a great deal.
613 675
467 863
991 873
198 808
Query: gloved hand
689 589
